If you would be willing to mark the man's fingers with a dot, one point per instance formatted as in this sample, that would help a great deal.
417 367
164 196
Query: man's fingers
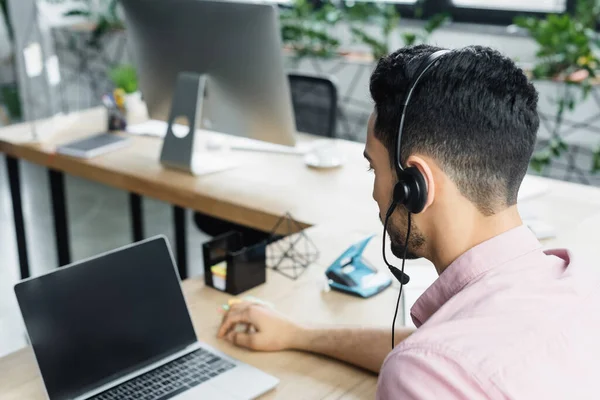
231 319
236 308
241 339
235 311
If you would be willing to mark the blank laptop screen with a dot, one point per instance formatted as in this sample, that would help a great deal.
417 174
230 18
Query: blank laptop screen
91 322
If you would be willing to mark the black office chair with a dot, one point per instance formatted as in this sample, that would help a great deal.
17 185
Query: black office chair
315 103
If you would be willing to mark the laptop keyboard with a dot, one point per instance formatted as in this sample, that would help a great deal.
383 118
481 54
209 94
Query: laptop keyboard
170 379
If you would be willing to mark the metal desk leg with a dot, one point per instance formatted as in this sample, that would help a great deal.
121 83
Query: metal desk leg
59 213
14 181
180 241
137 221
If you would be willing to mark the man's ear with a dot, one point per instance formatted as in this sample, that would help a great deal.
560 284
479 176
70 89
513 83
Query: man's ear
424 166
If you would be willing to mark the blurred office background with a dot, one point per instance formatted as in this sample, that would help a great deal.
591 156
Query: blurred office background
62 56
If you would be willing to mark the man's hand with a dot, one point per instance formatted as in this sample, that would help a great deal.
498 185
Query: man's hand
263 328
267 330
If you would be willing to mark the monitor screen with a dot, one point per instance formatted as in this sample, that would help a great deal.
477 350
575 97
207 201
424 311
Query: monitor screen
105 317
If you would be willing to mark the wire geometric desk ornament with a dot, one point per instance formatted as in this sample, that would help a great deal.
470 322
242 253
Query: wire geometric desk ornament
290 251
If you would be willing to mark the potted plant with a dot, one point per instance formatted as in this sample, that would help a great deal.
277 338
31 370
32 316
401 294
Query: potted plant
124 77
567 54
125 80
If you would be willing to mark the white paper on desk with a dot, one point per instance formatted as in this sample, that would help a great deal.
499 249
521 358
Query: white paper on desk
34 65
541 229
531 188
53 71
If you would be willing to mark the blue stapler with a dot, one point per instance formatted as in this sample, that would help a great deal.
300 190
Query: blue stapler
351 273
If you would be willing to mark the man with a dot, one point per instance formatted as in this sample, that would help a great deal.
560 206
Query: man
504 319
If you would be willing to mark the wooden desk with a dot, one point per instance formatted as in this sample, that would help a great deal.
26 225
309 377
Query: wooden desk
257 194
303 376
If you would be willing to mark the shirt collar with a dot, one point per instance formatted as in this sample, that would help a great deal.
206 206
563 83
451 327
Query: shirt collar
471 264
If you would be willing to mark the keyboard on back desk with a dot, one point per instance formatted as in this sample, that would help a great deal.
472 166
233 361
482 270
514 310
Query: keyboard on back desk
170 379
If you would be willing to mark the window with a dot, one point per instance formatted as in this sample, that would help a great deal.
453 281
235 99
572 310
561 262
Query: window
410 2
402 1
493 12
546 6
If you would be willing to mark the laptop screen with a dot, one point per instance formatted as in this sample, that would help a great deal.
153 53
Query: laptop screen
99 319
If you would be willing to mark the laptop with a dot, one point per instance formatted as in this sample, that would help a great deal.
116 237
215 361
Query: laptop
116 326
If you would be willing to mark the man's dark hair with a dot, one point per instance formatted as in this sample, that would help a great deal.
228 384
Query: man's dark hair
474 112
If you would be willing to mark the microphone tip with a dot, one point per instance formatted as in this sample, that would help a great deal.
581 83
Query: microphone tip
400 276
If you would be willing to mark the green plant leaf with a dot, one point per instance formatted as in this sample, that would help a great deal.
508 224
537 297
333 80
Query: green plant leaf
409 38
391 21
539 161
526 22
307 29
102 26
596 161
362 11
78 13
558 146
378 48
435 22
9 28
419 12
555 151
562 145
309 42
10 97
124 77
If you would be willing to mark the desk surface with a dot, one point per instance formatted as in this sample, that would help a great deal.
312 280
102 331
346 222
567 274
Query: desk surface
302 375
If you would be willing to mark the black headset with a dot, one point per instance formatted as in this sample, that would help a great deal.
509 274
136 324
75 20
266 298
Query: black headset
410 189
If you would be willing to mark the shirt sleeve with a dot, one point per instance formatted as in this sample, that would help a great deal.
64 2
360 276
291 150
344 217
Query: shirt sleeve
424 374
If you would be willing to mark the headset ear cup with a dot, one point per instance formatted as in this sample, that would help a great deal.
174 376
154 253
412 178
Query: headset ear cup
400 191
416 190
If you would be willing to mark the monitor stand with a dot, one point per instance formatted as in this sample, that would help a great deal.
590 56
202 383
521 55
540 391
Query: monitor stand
178 149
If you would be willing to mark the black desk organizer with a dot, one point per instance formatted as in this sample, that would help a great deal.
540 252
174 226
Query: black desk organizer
289 254
246 266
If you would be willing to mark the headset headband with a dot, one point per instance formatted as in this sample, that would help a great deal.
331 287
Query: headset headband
423 68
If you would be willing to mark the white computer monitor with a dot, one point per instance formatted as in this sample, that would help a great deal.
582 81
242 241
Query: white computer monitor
236 46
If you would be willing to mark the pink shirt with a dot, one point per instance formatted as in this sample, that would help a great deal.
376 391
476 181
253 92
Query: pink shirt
506 320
